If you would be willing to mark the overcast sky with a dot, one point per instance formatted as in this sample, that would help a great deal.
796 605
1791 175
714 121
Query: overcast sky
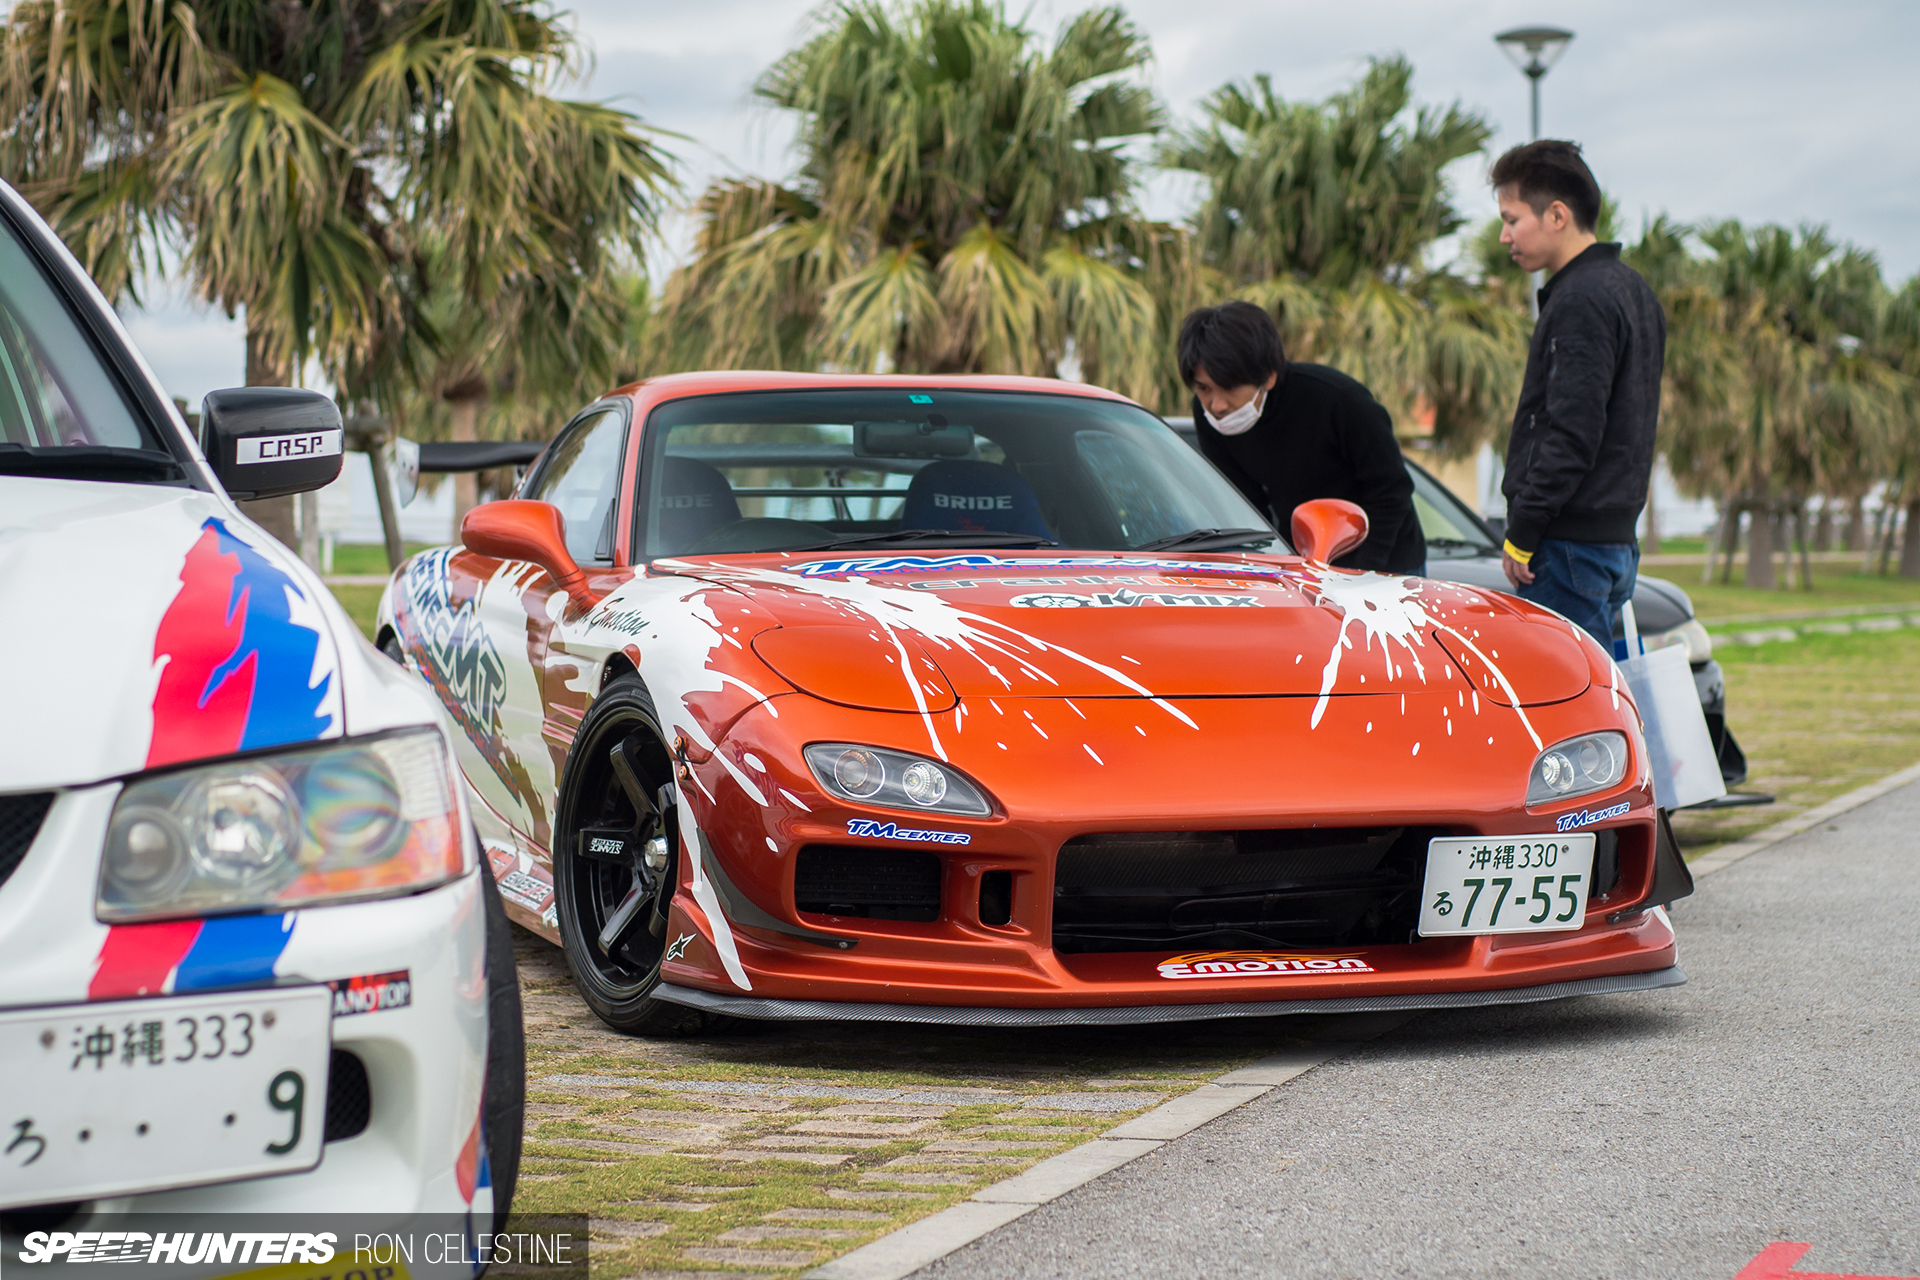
1765 110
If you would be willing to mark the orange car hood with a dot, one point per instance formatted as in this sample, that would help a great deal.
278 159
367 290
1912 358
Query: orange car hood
1118 626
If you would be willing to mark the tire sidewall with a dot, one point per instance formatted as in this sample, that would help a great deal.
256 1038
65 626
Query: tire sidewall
504 1101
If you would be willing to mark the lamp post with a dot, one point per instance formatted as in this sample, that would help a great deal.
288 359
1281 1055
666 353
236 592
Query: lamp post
1534 50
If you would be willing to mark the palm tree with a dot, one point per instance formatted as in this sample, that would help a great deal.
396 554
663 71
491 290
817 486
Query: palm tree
965 202
1325 213
326 166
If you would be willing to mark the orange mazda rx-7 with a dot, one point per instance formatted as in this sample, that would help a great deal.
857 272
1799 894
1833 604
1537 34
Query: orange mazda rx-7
986 700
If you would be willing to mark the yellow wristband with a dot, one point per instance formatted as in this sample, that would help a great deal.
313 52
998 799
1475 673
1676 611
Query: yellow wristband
1517 553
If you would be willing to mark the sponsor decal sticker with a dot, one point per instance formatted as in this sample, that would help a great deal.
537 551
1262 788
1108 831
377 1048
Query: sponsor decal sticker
872 830
178 956
1125 599
458 658
678 947
525 890
372 993
1587 817
249 450
944 564
1258 964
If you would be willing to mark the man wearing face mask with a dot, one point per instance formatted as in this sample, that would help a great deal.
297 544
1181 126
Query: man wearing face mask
1289 432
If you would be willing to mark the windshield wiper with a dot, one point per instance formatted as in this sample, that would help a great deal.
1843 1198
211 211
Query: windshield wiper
86 462
923 537
1208 539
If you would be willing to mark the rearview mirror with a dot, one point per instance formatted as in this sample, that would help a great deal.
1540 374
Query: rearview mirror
1327 528
266 442
933 438
521 529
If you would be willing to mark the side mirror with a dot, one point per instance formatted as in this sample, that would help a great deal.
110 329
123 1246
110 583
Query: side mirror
1327 527
520 529
265 442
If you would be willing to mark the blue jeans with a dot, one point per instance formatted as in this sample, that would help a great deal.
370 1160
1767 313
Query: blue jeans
1585 581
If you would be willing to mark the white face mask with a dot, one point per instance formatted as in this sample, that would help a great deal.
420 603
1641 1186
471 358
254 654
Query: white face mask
1240 420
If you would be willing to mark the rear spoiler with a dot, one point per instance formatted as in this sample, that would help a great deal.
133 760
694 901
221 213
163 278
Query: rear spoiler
441 457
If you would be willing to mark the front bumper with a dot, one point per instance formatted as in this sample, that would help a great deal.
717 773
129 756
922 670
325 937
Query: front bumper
424 1060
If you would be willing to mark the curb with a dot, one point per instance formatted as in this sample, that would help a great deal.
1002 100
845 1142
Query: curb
1727 855
900 1253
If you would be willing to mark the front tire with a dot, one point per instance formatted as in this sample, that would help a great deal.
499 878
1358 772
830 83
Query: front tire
504 1104
614 863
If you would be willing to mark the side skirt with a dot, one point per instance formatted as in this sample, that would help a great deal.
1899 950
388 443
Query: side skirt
856 1011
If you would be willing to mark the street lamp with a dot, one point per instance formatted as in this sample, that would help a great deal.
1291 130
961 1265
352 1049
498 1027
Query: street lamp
1534 50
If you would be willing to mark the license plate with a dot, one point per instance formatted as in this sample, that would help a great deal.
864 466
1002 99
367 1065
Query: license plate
141 1095
1506 884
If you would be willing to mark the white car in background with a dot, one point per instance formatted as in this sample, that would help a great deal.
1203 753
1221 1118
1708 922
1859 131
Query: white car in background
249 957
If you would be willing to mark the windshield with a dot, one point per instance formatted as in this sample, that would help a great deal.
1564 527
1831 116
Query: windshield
61 410
1451 532
786 470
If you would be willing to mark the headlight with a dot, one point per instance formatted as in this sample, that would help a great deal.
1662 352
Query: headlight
1690 633
1577 767
894 780
352 820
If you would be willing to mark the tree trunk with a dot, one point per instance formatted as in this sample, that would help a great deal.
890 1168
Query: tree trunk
1806 563
1760 549
1890 518
383 496
275 515
1823 527
464 414
1650 545
1856 530
1872 541
1910 547
1730 536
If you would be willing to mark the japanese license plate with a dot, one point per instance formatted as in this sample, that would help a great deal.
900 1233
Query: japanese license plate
1506 884
140 1095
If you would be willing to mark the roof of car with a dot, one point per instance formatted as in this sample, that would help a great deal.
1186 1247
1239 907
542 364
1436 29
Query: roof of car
713 382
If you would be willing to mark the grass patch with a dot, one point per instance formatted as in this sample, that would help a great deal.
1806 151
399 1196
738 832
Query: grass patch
1817 716
1835 586
362 605
368 557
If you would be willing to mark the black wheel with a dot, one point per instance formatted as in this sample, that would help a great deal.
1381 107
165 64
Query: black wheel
504 1105
614 862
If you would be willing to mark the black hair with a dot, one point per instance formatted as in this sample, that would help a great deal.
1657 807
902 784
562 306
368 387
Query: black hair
1237 343
1548 170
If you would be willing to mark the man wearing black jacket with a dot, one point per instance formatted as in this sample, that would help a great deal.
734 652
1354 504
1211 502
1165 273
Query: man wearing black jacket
1581 455
1288 432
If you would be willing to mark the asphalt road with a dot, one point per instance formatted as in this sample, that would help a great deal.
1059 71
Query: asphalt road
1774 1098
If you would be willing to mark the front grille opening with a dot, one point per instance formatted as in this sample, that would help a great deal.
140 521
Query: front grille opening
996 897
349 1097
1171 890
875 884
20 819
1606 863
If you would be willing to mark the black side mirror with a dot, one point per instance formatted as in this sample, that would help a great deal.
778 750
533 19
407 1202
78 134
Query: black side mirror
264 442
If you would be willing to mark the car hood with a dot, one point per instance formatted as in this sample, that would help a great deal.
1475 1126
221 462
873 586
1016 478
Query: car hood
150 625
915 632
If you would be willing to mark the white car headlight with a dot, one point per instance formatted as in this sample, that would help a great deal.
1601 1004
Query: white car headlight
894 780
370 818
1690 633
1577 767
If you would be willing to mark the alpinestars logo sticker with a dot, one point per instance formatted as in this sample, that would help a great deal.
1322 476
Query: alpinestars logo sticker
678 947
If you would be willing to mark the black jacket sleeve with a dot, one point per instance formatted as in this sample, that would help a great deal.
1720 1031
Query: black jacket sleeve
1214 451
1583 350
1381 485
